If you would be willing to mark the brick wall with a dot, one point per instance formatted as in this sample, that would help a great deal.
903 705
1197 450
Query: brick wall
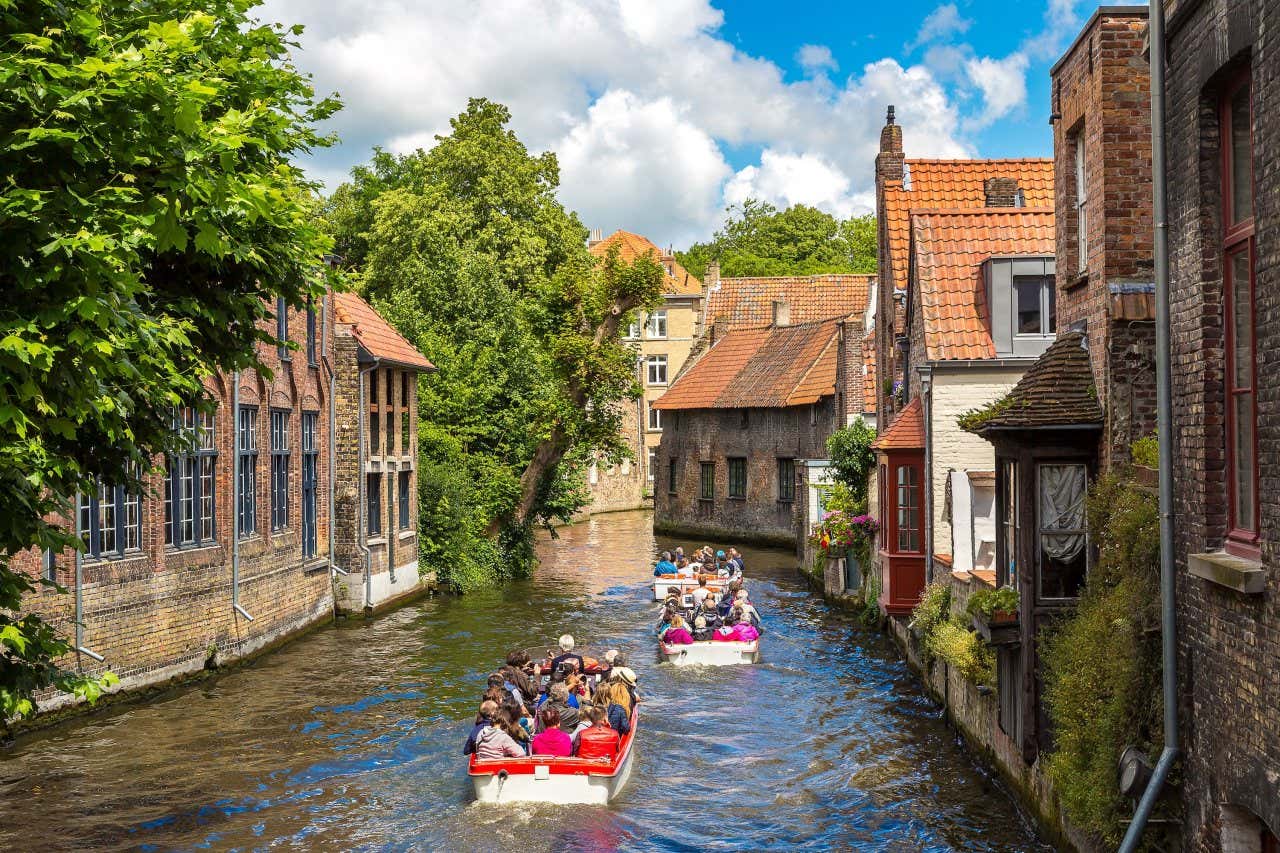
161 611
714 435
889 314
1229 642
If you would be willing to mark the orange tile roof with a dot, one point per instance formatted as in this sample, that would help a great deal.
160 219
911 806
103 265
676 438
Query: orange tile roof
375 334
906 432
678 281
869 374
748 302
954 184
769 367
949 248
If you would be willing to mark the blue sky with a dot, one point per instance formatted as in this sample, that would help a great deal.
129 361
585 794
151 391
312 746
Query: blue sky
662 112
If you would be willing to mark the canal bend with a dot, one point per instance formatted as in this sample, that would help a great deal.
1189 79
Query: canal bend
350 737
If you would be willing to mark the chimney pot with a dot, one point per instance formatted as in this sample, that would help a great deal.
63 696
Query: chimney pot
888 119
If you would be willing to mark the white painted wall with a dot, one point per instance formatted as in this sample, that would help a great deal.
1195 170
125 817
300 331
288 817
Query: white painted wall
953 449
973 523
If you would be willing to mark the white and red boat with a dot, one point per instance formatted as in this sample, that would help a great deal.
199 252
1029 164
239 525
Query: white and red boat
710 653
686 584
550 779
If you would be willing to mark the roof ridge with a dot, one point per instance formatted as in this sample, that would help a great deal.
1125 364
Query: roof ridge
974 211
979 160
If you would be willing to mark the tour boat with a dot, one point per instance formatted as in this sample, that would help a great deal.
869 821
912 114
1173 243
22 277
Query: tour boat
686 583
550 779
711 653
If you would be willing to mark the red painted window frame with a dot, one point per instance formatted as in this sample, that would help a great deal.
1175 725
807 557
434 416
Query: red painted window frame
1241 538
889 499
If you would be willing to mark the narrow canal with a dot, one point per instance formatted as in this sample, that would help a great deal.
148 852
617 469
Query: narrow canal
350 738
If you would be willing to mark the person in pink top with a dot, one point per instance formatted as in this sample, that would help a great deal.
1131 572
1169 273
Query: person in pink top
551 740
676 634
744 631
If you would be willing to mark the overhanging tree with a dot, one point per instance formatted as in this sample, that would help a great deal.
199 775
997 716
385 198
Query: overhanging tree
149 216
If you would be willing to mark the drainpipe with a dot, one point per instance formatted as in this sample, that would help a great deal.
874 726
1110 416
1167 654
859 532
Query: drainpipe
926 403
1164 432
80 646
235 493
362 511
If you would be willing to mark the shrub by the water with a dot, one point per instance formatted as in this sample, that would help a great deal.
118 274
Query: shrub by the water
955 643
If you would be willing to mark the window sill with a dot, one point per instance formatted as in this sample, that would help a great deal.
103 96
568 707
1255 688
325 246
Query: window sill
408 534
787 501
112 557
1076 282
706 500
376 540
737 497
190 547
1244 576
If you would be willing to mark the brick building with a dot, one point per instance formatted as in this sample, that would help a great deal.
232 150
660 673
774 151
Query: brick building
1225 300
740 423
663 339
376 505
230 548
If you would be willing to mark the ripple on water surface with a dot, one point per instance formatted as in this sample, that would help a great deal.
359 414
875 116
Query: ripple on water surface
350 738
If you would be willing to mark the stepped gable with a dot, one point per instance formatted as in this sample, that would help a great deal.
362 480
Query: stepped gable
949 248
955 184
766 367
747 302
1056 391
375 334
677 281
907 431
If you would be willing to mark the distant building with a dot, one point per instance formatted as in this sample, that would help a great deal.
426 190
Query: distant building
740 424
663 339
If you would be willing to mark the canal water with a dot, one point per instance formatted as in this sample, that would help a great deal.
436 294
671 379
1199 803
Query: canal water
350 738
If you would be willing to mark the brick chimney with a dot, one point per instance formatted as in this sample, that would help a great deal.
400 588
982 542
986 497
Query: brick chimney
711 278
1002 192
890 160
781 313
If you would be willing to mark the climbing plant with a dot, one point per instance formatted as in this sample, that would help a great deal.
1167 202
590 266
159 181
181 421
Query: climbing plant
852 458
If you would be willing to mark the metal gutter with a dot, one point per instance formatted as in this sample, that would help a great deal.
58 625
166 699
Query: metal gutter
362 511
235 497
1164 432
80 647
926 403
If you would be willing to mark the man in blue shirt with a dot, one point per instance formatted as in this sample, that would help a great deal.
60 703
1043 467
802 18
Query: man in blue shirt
664 566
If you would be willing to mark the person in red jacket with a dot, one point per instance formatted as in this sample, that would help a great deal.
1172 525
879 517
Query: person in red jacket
600 741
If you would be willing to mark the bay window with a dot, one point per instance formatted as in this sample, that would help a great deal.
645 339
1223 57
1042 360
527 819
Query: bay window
1062 552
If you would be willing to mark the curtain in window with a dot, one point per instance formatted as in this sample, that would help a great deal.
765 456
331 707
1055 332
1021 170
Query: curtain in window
1062 508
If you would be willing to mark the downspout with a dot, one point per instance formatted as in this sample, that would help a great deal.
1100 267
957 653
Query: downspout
362 511
334 568
1164 432
926 403
80 647
235 493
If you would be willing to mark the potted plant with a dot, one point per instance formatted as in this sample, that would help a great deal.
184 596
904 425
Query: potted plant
995 615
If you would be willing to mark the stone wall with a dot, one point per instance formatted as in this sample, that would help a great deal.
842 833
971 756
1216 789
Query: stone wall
1229 641
762 436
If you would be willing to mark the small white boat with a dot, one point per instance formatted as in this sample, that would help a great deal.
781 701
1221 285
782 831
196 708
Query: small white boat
686 583
711 653
550 779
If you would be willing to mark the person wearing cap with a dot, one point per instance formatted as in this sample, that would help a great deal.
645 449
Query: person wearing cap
567 654
627 677
664 565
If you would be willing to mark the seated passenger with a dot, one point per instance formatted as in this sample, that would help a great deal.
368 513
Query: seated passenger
680 559
484 719
627 678
727 597
688 570
664 565
700 594
748 609
676 633
725 633
567 654
559 702
706 621
615 700
599 740
508 719
736 564
552 740
743 630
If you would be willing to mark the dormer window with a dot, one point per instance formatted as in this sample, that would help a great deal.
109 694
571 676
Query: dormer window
1020 300
1033 304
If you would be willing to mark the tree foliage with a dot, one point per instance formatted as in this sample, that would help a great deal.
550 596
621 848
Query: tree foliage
757 239
852 458
467 251
149 214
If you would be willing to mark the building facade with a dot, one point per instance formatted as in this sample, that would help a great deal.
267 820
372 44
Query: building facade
663 339
741 424
1224 288
230 547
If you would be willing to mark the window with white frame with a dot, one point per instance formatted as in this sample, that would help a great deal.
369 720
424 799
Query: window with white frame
1033 305
279 469
633 330
653 463
1082 198
247 463
657 369
191 482
655 419
656 325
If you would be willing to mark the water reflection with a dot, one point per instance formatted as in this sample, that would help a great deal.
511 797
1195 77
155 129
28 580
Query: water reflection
350 738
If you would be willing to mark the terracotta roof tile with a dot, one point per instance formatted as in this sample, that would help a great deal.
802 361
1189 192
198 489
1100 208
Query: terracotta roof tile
906 432
769 367
748 302
949 248
677 279
869 373
375 334
954 184
1057 391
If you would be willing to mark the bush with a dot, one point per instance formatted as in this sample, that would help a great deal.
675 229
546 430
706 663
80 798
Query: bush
1102 664
986 602
953 642
934 609
852 458
1146 451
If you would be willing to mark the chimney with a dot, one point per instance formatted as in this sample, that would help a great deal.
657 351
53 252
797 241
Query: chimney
890 160
781 313
596 237
711 278
1002 192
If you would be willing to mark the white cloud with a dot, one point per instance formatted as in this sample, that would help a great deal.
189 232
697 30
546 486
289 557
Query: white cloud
784 179
940 24
641 94
816 58
1002 82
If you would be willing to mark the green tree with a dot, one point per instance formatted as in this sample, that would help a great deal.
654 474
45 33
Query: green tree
852 458
757 239
149 215
466 249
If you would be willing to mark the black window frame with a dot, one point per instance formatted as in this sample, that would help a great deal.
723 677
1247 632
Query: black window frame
737 489
91 509
707 481
786 479
247 471
672 469
281 450
309 427
404 484
195 469
282 328
313 359
373 503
